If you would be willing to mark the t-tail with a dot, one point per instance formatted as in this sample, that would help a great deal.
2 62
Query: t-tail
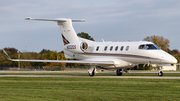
68 33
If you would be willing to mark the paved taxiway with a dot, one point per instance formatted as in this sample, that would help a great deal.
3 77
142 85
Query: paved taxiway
146 77
86 71
142 77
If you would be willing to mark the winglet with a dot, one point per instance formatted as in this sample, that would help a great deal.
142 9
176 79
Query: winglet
6 55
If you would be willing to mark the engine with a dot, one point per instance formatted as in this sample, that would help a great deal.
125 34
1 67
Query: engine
78 47
84 46
121 64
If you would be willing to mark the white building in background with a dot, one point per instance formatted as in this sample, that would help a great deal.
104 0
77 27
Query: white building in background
178 66
171 67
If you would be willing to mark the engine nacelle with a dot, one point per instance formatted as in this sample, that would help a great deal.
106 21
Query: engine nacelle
122 64
78 47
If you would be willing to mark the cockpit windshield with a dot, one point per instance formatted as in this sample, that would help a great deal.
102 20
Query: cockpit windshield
149 47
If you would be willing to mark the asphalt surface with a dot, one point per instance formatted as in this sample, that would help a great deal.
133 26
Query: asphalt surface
7 71
143 77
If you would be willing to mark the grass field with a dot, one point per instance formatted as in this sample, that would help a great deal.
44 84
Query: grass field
86 89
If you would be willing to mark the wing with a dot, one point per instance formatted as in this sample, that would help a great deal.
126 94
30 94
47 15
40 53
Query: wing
60 61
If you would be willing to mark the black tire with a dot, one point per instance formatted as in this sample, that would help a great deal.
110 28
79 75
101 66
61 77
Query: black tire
160 73
92 73
118 72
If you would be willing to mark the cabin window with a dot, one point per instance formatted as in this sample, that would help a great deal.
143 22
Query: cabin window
97 48
111 48
127 48
116 48
105 48
122 48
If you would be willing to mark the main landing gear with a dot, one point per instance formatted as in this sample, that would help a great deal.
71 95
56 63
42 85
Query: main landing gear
160 73
119 72
92 70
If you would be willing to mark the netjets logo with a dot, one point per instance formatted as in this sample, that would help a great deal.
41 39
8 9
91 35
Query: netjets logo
71 47
65 40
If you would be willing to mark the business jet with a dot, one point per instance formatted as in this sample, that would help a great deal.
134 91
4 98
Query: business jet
105 55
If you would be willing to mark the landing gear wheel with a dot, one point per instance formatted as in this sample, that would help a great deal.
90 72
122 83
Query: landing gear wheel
160 73
92 74
119 72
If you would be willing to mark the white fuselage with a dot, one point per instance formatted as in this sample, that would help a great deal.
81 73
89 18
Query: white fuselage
124 57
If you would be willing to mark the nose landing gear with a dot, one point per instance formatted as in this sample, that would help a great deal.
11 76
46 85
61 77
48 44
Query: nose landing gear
160 73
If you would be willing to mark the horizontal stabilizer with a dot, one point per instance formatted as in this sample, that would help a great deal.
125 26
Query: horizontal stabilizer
58 19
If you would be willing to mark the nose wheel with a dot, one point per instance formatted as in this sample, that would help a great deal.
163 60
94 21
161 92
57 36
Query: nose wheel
160 73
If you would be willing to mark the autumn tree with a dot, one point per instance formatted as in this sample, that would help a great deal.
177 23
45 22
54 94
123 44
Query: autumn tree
11 50
3 59
160 41
85 35
175 53
44 51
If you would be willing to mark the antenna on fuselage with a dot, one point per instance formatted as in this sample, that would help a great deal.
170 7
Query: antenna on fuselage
102 40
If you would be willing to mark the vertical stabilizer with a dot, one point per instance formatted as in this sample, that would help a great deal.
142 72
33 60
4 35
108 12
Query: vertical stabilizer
68 33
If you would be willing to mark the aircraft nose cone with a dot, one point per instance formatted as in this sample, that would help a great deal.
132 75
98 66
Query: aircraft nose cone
174 60
171 60
167 58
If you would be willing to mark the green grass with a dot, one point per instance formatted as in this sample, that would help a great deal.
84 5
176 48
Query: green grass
97 74
88 89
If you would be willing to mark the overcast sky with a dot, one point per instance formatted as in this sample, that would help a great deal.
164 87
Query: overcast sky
111 20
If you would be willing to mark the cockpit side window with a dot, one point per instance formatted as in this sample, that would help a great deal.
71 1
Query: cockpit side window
142 47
